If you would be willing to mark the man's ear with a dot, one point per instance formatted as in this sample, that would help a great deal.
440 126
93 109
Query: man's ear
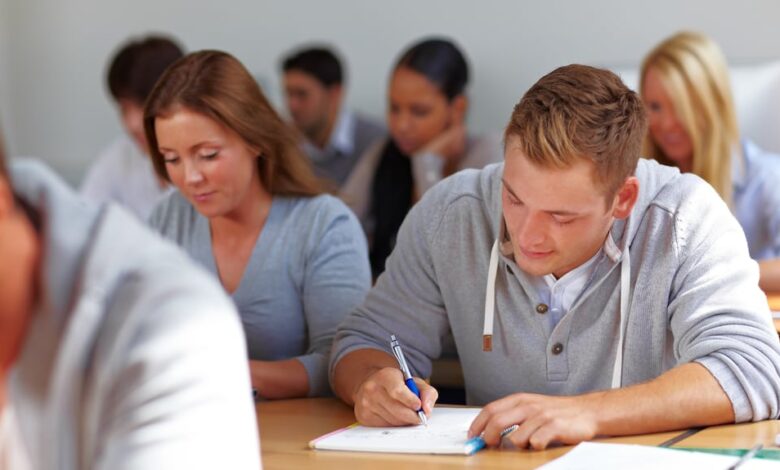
626 197
335 94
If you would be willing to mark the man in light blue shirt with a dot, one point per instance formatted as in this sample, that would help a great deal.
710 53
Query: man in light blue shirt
334 136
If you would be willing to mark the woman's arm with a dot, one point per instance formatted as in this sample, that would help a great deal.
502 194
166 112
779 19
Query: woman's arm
279 379
336 279
769 279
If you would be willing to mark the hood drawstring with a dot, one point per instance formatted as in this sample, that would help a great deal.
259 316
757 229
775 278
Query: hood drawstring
625 292
490 299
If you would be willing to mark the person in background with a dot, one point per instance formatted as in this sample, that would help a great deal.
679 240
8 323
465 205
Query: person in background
684 83
116 351
250 209
333 135
122 172
428 141
589 292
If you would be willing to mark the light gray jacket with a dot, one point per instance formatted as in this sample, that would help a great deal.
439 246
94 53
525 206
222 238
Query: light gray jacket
694 296
135 358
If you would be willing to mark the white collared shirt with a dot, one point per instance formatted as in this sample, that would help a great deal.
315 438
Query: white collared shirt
756 199
123 174
342 138
560 294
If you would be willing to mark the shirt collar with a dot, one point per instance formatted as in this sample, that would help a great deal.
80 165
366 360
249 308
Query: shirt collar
739 164
576 277
343 136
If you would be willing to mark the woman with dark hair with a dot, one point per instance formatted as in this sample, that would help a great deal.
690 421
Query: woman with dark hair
426 114
250 209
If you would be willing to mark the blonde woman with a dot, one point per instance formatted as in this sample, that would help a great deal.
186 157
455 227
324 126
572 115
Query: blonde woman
685 86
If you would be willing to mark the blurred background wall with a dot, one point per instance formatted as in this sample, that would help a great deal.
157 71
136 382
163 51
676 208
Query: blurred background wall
53 53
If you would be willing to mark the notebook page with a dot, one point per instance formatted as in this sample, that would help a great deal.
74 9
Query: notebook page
445 434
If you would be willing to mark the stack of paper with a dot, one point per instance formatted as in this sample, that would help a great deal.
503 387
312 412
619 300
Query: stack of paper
589 455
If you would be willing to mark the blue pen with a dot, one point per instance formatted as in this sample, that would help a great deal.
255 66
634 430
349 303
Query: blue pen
476 443
399 356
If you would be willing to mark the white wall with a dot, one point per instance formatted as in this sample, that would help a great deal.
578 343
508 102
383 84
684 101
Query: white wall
5 88
53 52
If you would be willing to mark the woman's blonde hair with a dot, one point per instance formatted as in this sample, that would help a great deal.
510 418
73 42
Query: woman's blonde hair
695 74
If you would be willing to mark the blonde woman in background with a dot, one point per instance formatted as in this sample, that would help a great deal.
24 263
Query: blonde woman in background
684 83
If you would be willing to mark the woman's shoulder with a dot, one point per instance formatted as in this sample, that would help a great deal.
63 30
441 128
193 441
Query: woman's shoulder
760 162
313 208
318 224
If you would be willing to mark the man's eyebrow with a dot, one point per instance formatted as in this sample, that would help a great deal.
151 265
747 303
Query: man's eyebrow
564 213
509 188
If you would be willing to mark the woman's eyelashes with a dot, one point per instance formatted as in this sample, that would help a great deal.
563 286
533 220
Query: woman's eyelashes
174 159
170 159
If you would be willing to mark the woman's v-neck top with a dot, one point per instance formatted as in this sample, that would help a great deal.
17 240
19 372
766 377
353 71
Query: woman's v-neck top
308 269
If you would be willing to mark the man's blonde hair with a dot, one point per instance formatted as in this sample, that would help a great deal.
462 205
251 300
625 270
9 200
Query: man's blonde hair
695 75
576 112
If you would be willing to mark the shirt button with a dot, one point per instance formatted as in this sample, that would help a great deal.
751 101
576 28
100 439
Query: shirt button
557 348
541 308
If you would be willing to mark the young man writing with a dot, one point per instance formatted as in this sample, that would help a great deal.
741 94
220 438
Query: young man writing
589 293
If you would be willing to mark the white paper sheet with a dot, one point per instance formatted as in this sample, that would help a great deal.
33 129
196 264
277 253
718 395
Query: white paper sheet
590 455
445 434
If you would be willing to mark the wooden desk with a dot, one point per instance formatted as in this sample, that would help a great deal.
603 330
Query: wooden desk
774 302
774 305
287 426
735 436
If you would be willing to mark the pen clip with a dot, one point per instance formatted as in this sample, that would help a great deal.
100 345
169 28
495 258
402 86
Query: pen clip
399 356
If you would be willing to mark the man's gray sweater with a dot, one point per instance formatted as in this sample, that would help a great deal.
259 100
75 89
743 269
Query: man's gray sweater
694 297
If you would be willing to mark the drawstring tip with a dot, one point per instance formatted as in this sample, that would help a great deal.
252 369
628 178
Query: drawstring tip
487 342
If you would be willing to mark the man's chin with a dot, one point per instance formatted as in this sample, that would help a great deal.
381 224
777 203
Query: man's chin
535 269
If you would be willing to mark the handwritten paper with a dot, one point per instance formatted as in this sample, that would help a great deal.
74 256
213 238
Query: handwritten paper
445 434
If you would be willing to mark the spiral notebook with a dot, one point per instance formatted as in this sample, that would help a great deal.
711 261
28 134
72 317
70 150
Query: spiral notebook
445 434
